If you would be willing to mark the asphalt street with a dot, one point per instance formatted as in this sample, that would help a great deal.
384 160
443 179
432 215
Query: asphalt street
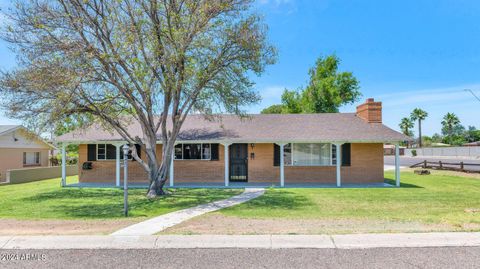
407 161
439 257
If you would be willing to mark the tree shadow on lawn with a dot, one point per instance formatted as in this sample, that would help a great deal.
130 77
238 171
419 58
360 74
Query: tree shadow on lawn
278 199
402 185
108 203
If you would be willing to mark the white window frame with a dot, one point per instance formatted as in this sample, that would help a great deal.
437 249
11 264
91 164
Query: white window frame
105 159
201 152
38 160
319 165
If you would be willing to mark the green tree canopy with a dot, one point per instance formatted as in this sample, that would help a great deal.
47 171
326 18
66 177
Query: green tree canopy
145 61
451 124
274 109
472 134
328 89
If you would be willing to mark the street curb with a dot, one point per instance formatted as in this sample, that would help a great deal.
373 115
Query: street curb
349 241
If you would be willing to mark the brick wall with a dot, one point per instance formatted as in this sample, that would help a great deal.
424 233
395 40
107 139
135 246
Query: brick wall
184 170
201 170
370 111
366 167
261 169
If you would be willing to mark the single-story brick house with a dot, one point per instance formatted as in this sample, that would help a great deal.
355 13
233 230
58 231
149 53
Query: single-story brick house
248 150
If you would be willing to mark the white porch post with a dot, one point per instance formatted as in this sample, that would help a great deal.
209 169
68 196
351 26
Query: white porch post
172 169
64 165
339 164
117 165
397 165
226 157
282 165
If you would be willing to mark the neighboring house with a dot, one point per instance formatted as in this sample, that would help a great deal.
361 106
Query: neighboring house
20 149
326 148
390 150
472 144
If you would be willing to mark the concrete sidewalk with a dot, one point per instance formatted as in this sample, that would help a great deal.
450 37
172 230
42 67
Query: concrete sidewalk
351 241
160 223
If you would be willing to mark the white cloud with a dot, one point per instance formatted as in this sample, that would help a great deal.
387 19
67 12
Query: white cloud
282 6
429 96
275 2
437 102
271 95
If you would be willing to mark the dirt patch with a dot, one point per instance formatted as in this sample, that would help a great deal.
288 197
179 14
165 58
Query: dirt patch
455 173
61 227
216 223
446 173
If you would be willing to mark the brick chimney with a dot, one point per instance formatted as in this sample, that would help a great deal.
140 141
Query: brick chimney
370 111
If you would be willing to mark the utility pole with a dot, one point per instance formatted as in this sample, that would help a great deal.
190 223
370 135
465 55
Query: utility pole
468 90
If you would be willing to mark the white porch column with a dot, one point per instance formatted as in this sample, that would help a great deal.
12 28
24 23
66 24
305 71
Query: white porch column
282 164
64 165
339 163
172 169
117 164
226 156
397 165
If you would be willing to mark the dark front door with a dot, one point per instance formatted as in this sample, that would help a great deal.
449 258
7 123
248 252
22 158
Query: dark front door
239 162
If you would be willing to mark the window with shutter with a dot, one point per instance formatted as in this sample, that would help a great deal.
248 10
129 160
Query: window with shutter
215 155
346 154
91 152
276 155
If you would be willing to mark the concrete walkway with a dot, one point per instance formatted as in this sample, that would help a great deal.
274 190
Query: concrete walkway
387 167
350 241
160 223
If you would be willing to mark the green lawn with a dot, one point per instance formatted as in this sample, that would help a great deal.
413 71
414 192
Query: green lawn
430 199
47 200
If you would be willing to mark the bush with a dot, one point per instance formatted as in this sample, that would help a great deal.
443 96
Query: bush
414 152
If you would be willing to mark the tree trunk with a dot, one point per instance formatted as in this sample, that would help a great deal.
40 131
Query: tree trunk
420 133
159 174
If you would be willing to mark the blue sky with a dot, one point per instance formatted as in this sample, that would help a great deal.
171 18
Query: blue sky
406 54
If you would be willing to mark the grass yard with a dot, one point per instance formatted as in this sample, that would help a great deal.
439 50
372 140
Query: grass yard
47 200
438 202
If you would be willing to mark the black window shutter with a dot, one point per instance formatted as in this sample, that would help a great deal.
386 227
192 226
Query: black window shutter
91 152
111 152
346 154
214 149
276 155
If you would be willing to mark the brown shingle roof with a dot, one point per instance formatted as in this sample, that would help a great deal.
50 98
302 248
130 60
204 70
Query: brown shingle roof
325 127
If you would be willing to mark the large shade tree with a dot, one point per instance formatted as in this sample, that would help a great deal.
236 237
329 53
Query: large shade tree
146 61
419 115
327 91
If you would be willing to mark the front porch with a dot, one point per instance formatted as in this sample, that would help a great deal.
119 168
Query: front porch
242 165
232 185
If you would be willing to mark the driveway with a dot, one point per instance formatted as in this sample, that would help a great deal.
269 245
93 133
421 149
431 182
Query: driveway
407 161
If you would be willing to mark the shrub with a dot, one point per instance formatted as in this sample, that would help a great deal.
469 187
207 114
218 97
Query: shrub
414 152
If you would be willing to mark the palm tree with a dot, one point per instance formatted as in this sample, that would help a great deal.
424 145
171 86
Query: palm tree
405 125
418 114
449 122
